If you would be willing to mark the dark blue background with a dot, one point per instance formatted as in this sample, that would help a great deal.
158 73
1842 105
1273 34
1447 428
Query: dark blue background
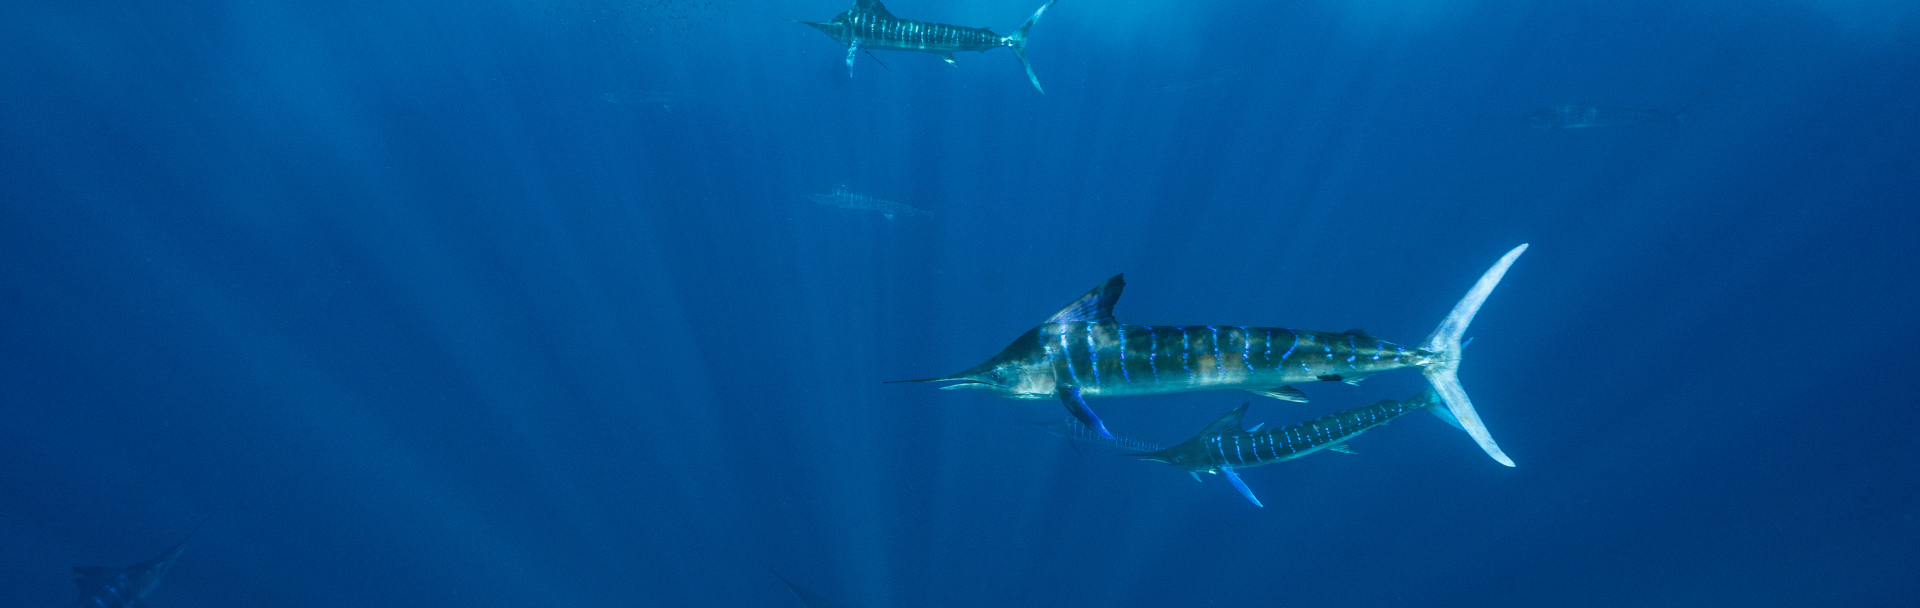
424 319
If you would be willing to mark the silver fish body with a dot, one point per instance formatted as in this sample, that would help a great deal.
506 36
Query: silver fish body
1225 446
1112 359
1081 351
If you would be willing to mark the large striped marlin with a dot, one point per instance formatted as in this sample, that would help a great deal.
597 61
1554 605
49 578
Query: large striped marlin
1082 351
868 25
109 587
1225 446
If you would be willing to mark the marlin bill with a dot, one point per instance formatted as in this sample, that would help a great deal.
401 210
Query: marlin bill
1225 445
1081 351
109 587
843 198
869 26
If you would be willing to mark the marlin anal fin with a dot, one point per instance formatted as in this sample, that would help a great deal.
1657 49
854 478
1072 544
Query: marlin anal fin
1094 307
1283 393
1234 478
1445 344
1070 396
947 57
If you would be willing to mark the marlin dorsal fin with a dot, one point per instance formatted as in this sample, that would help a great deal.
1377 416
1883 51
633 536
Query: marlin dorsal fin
871 6
1095 307
1228 424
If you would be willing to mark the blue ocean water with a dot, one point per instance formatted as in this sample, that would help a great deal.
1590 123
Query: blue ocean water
524 303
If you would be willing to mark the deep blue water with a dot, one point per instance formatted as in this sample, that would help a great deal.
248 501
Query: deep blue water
523 303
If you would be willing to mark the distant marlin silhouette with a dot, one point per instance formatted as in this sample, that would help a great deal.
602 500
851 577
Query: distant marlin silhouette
1582 116
107 587
843 198
1082 351
868 25
1224 446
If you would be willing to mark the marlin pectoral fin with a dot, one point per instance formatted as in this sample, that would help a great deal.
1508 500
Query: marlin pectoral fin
1283 393
947 57
1234 478
1070 396
1343 448
1196 476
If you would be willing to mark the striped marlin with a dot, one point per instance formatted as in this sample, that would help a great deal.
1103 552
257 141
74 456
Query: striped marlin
868 25
843 198
1225 446
109 587
1082 351
1070 429
1582 116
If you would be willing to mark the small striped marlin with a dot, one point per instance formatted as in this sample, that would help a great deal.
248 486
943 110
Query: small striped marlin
868 25
1082 351
1225 446
109 587
1071 429
843 198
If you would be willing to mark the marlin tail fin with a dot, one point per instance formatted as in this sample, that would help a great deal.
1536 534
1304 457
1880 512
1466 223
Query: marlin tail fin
1018 42
1445 344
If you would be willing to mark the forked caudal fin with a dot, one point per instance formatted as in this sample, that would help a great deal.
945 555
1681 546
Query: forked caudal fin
1446 345
1018 42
